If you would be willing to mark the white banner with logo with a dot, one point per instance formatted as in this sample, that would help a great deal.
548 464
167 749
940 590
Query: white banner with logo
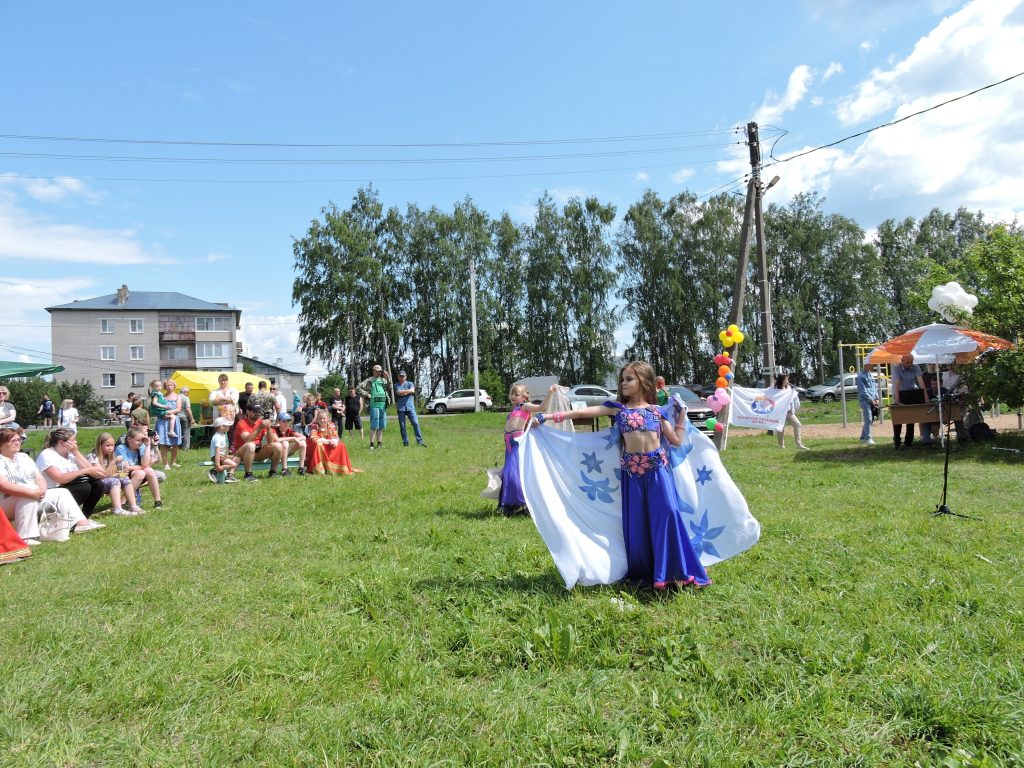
760 408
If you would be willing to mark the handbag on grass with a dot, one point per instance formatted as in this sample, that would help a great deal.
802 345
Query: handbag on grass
54 525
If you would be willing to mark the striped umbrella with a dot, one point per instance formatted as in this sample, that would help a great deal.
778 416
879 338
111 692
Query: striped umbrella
937 343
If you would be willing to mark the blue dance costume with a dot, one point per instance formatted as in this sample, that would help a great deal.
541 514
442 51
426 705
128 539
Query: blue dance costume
658 549
511 499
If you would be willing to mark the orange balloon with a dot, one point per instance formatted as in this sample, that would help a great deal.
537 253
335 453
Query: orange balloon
721 383
724 369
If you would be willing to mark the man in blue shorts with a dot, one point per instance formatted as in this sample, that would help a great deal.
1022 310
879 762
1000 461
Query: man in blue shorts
377 391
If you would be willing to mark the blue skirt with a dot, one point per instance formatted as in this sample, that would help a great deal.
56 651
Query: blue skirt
658 549
511 495
161 432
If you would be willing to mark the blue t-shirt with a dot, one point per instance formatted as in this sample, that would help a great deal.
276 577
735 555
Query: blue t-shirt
131 458
906 377
404 402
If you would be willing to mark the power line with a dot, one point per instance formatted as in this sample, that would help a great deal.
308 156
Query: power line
894 122
400 145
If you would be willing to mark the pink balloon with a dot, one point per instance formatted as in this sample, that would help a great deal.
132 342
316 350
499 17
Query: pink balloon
719 427
722 394
715 405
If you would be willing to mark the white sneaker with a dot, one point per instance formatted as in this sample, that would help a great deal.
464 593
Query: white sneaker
869 441
167 467
33 542
118 512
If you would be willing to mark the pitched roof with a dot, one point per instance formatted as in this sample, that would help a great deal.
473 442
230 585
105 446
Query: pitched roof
256 363
146 300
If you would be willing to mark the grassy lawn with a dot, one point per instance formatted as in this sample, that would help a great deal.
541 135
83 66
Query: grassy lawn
391 618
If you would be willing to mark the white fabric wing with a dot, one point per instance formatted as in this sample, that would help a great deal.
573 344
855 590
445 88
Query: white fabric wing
571 484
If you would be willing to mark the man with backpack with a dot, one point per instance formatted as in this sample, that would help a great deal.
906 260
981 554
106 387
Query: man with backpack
377 391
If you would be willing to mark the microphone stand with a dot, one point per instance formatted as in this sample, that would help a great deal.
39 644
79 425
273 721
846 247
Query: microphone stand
942 508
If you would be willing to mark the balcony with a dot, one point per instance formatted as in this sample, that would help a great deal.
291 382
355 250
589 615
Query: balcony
177 334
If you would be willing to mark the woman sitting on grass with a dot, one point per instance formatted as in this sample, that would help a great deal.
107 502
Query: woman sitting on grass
116 482
23 489
64 466
325 453
137 458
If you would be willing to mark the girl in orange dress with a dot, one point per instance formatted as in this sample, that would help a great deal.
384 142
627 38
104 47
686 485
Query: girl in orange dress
325 453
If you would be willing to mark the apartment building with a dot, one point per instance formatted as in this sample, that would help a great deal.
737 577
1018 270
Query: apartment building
122 341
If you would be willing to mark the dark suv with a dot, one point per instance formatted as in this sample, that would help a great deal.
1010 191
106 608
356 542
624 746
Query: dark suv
697 411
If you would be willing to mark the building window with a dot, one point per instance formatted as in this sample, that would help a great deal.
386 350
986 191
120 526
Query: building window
135 326
212 324
176 352
109 380
206 349
137 352
108 353
112 407
138 380
106 326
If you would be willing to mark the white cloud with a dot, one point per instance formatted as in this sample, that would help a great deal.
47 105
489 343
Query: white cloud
682 175
273 337
834 68
967 153
50 190
563 195
24 236
867 46
25 324
642 176
976 45
817 101
774 107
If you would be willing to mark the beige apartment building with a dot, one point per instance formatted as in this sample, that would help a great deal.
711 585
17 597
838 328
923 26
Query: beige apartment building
122 341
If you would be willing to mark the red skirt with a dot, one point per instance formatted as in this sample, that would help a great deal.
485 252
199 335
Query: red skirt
322 458
12 546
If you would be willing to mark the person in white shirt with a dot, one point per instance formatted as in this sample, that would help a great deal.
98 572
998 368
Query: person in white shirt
68 416
23 490
224 400
64 466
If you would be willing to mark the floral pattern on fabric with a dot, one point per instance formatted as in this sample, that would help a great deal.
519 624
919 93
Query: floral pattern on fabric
639 464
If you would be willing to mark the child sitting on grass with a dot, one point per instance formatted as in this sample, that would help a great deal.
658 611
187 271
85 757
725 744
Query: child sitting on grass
117 483
220 455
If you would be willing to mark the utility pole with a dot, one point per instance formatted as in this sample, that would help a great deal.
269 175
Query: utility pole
472 314
740 286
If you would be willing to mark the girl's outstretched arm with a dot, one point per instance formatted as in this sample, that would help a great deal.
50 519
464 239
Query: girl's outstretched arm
671 431
583 413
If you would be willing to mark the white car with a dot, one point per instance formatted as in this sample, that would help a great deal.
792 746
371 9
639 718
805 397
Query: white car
589 394
459 400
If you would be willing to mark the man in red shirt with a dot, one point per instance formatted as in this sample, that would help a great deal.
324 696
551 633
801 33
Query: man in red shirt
256 441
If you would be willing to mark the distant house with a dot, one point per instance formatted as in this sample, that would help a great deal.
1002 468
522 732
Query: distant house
121 341
289 381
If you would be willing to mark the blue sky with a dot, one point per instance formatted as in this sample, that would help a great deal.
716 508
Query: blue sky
217 221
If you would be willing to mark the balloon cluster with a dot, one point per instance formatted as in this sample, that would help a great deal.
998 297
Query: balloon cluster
730 336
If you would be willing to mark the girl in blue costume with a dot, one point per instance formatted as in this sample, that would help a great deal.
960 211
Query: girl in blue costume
658 550
511 500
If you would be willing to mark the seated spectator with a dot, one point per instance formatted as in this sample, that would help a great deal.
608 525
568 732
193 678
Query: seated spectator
326 454
224 464
67 417
137 457
64 466
116 482
140 419
293 441
264 402
22 490
8 413
309 410
255 441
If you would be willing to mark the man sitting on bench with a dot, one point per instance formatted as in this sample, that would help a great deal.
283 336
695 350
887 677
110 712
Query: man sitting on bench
256 441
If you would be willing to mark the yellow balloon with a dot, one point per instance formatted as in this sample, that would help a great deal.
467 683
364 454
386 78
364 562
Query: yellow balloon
734 328
727 342
725 354
722 336
738 337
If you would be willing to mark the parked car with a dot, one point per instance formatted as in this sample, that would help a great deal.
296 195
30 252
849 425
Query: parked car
459 400
830 390
697 411
588 394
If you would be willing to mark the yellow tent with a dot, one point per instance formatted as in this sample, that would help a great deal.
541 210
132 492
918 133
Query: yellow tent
202 383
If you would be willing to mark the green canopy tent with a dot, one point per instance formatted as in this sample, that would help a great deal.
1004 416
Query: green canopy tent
12 370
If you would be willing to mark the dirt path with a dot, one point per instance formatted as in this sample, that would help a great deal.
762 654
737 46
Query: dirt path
1006 422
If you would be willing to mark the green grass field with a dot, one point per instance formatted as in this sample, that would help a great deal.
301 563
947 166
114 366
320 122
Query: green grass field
391 618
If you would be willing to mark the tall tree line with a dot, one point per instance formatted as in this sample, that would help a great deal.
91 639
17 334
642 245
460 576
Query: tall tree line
552 292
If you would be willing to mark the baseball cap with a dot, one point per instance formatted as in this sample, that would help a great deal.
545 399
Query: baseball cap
284 416
220 421
401 373
377 368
